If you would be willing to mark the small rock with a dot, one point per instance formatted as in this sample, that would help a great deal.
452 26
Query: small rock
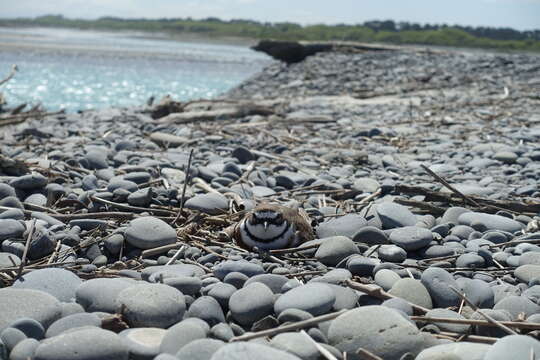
314 298
149 232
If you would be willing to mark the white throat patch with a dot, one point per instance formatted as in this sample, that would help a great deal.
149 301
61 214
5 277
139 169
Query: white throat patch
259 232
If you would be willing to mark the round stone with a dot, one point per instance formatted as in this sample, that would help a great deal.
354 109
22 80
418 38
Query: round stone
181 334
11 229
9 260
24 303
470 260
60 283
273 281
346 225
411 238
24 350
334 249
413 291
212 203
370 235
72 321
29 182
83 344
438 283
144 342
188 285
392 253
386 278
378 329
455 351
393 215
249 351
208 309
251 303
516 305
149 232
448 314
296 343
315 298
362 266
526 273
151 305
490 221
201 349
242 266
100 294
513 347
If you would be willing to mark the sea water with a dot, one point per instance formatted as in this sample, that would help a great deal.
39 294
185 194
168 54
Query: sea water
79 69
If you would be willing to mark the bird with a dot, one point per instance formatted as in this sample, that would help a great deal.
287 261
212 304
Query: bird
272 226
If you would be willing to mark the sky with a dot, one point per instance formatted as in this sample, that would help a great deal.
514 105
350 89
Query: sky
518 14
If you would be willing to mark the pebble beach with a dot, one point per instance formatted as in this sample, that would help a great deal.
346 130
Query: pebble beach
419 170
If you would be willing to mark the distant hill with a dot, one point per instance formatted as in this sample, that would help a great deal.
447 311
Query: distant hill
386 31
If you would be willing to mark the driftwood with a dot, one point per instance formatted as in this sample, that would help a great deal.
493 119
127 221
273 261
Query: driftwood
237 111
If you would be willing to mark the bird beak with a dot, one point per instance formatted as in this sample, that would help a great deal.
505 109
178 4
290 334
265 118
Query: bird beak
265 225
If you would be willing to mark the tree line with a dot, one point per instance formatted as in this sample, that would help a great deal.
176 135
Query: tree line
386 31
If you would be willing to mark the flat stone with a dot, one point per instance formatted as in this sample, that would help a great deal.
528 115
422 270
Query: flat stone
100 294
273 281
208 309
392 253
83 344
60 283
526 273
29 182
296 343
179 335
251 303
370 235
490 222
11 229
347 225
513 347
71 322
188 285
455 351
393 215
248 351
151 305
143 343
212 203
362 266
335 249
314 298
149 232
413 291
411 238
378 329
516 305
242 266
448 314
386 278
201 349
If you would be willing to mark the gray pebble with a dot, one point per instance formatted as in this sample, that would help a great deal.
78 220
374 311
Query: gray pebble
315 298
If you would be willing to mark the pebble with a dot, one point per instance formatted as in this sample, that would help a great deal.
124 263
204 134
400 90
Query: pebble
179 335
60 283
212 204
149 232
513 347
297 344
411 290
411 238
251 303
83 344
242 266
516 305
370 235
490 222
335 249
151 305
71 322
16 304
455 351
393 215
24 350
206 308
143 343
273 281
378 329
11 229
100 294
347 225
247 351
392 253
528 272
202 349
29 182
386 278
314 298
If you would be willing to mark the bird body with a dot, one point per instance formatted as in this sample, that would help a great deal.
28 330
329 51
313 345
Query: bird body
272 226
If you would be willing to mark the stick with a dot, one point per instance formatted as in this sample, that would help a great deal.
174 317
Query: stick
486 316
290 327
14 69
26 246
367 355
450 187
327 354
176 255
516 324
186 181
377 292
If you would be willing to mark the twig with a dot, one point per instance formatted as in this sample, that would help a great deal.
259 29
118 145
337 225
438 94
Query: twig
486 316
132 208
26 246
516 324
176 255
160 250
367 355
290 327
450 187
469 338
14 70
293 250
186 181
327 354
377 292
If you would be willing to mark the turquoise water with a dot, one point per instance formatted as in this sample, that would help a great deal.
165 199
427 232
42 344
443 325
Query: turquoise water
77 70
